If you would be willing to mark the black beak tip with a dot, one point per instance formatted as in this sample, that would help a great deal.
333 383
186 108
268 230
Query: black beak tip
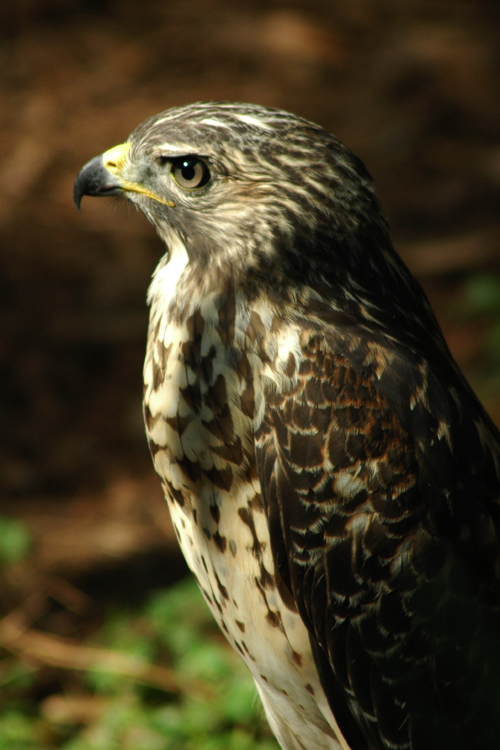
94 179
79 190
77 197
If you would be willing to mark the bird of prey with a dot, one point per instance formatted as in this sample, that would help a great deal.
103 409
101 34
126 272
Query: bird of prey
332 479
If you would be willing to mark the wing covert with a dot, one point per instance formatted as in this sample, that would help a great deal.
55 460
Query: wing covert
384 526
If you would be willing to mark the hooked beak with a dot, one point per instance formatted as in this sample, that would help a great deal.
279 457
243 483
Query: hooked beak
101 175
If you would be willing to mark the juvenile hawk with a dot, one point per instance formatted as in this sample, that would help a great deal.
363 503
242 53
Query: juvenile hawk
333 481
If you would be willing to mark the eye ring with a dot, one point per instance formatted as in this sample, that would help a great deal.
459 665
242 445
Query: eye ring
190 173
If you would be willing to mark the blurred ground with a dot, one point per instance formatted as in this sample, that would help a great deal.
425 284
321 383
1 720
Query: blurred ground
411 86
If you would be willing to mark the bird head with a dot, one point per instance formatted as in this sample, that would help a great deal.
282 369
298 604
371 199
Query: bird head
246 189
269 201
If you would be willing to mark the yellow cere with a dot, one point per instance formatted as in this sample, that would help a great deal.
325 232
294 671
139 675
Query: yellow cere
113 161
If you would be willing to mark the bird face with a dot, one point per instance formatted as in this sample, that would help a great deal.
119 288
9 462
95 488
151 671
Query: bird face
265 200
239 185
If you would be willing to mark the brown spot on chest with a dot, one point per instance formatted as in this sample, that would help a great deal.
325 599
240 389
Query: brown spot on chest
176 495
273 618
219 541
191 349
247 518
267 580
192 396
247 396
220 586
255 330
178 423
290 366
190 469
232 452
227 318
221 423
154 448
221 478
159 361
256 504
148 417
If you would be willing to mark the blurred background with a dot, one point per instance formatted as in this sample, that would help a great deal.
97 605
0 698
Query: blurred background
103 641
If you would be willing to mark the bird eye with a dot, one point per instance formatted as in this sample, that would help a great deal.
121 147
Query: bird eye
190 173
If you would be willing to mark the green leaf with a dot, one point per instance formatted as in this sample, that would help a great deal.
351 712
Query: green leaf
16 731
482 293
240 704
15 540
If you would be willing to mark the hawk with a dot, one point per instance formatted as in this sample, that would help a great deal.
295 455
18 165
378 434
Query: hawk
332 479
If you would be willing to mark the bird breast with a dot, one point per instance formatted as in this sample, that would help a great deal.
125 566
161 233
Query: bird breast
205 376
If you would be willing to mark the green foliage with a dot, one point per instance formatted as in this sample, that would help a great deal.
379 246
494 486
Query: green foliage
217 707
482 299
479 302
176 628
15 541
482 294
16 676
16 731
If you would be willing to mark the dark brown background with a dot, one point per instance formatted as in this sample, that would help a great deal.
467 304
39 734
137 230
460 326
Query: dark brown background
411 86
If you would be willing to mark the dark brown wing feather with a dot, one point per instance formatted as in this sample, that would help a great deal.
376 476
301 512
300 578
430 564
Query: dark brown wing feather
380 477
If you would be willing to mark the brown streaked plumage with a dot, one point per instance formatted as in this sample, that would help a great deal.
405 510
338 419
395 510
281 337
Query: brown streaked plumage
333 481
